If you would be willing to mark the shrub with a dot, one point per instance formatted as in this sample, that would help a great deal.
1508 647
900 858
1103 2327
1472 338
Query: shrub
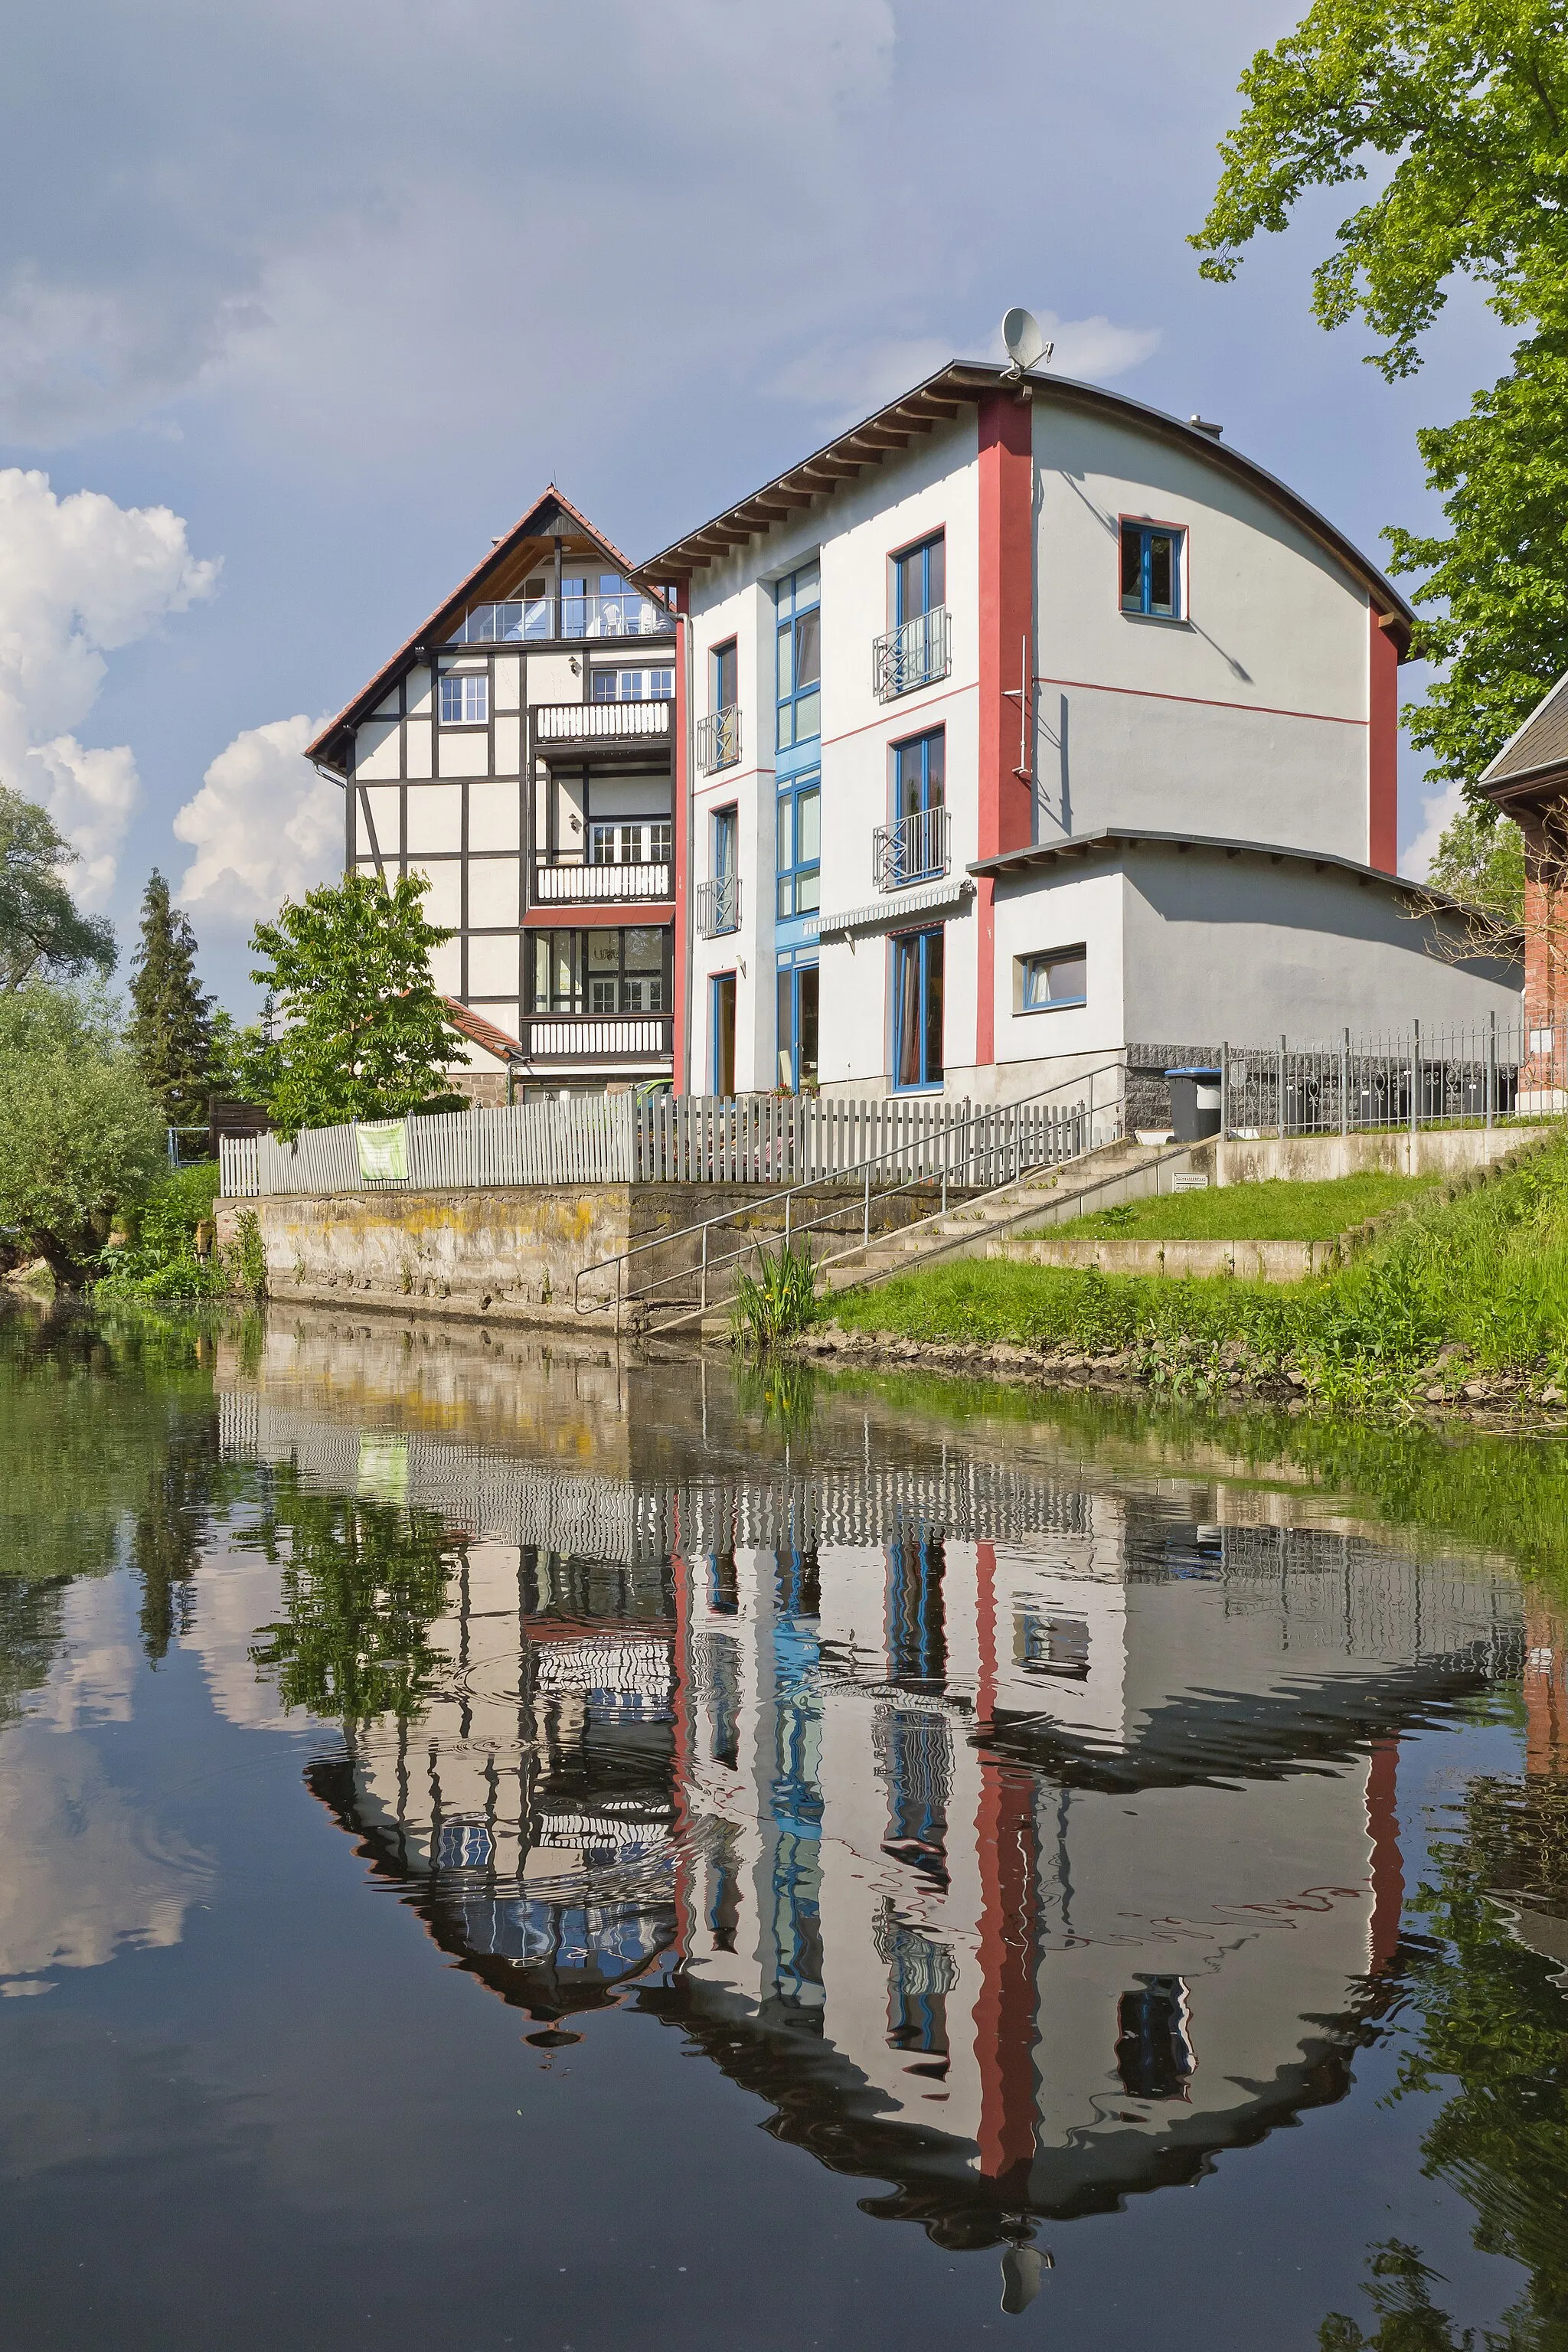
779 1300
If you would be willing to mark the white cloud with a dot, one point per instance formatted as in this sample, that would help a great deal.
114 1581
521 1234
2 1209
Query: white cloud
79 578
264 825
1438 809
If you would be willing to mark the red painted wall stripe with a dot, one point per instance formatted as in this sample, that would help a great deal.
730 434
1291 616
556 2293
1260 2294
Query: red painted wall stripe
683 1063
1382 750
1387 1863
1004 2020
1006 659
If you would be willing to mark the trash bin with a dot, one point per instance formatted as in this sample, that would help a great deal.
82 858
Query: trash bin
1194 1102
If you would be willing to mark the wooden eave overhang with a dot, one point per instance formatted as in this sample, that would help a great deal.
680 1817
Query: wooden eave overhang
1529 791
329 750
1078 849
943 398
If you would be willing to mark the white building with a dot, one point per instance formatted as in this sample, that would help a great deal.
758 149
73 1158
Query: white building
1031 722
517 751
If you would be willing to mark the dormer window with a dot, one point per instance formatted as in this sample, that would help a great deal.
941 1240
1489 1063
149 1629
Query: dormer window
1151 564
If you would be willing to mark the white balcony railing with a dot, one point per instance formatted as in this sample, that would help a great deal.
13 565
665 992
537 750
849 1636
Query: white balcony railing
600 886
915 849
916 655
521 620
597 1037
719 906
602 722
719 740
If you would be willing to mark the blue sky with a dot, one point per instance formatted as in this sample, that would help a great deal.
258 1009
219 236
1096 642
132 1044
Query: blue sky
340 286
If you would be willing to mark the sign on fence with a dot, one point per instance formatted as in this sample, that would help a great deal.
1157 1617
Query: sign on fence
384 1152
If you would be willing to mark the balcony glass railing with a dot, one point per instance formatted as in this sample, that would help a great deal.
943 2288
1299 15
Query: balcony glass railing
719 740
915 849
719 906
916 655
533 619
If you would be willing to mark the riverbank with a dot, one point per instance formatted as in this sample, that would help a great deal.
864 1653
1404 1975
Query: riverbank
1455 1303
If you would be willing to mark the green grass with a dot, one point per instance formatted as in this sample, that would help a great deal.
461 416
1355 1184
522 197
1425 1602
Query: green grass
1485 1267
1275 1211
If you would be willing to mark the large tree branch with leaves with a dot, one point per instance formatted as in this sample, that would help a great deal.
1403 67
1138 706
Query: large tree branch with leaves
42 935
1456 113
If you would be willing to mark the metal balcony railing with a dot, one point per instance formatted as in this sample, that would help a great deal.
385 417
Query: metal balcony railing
719 740
719 906
915 849
601 722
520 620
916 655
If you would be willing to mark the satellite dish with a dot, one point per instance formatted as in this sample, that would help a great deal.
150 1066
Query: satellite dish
1026 344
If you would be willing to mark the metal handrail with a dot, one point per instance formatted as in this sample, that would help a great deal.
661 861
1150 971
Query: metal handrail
708 1265
915 849
719 906
917 653
719 740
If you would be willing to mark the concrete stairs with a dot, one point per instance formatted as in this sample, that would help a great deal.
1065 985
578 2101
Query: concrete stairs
1123 1170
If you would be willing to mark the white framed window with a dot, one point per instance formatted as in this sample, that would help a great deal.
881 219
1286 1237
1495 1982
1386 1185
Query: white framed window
633 684
1052 981
465 697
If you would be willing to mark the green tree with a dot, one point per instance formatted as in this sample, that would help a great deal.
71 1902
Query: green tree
81 1132
361 1581
41 933
171 1015
1460 108
1481 864
364 1034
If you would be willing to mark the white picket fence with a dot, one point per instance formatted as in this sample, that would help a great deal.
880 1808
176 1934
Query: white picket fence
678 1139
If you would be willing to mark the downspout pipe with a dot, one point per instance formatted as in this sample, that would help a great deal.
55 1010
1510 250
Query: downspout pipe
688 909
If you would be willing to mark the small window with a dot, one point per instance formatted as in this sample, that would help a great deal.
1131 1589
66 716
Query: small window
633 684
1152 559
464 699
1047 983
726 676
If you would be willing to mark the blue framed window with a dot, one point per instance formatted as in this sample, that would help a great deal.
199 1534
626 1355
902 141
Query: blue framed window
920 579
918 846
1047 983
917 970
799 665
1152 561
466 698
797 1002
724 677
798 862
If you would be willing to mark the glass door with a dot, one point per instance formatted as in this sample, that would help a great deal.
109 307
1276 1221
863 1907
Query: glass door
917 976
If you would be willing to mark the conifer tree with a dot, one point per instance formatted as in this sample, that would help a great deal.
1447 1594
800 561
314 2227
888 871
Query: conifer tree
171 1022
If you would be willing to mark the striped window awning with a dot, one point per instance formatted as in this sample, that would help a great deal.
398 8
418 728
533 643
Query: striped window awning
884 914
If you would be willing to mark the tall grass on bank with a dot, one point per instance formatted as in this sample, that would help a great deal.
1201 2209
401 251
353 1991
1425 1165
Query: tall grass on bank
779 1300
1485 1267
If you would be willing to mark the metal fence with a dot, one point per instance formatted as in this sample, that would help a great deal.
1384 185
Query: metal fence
1420 1077
674 1139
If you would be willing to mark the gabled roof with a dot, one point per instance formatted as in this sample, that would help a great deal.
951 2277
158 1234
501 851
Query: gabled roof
1535 754
482 1032
941 398
551 507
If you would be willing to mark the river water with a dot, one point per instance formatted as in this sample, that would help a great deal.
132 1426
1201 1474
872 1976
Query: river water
510 1846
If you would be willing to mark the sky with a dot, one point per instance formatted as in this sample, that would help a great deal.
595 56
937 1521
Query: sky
302 305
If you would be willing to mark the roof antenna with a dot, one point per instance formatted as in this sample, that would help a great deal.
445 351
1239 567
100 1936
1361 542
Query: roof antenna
1026 344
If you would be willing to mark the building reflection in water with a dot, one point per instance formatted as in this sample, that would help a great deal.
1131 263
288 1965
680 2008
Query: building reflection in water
1024 1842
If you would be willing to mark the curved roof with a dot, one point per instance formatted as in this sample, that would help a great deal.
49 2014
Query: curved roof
939 400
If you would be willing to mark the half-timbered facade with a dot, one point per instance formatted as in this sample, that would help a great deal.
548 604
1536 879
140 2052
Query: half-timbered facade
518 750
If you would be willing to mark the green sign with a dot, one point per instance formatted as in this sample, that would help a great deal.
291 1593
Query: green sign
384 1152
